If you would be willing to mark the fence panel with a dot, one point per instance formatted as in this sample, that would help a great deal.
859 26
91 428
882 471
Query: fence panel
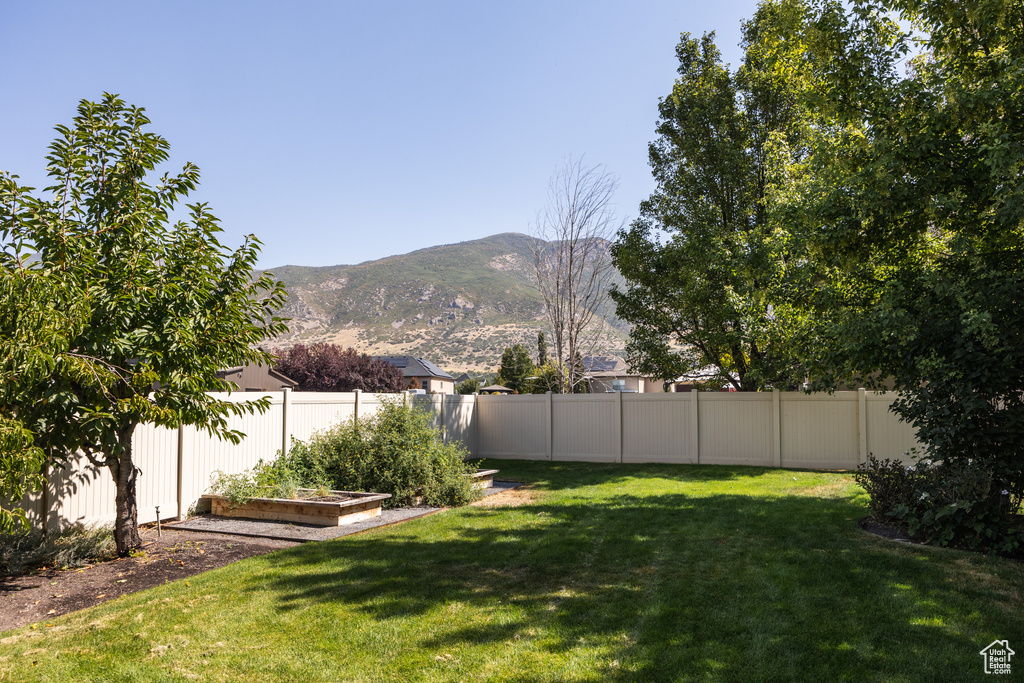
657 428
765 429
736 428
460 420
433 403
888 437
80 494
585 427
203 454
311 412
513 426
155 451
820 431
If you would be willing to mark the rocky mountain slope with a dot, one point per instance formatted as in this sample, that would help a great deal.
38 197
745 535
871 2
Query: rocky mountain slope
458 305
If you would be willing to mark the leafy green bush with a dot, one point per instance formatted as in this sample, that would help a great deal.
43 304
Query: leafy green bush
955 504
396 451
74 546
264 481
889 484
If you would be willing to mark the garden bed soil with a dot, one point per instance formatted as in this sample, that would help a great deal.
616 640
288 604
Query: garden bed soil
266 528
48 593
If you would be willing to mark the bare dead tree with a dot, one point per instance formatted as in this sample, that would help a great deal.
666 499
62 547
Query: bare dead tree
572 262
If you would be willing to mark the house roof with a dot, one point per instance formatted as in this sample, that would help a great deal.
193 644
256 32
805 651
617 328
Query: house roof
224 373
605 364
496 387
415 367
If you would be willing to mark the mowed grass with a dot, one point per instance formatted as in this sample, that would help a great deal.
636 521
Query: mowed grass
603 573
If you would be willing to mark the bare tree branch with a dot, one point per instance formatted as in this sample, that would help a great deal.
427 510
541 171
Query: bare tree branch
572 262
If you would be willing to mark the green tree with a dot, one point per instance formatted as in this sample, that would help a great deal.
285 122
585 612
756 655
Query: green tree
544 380
516 366
708 295
162 305
468 386
37 319
542 350
913 205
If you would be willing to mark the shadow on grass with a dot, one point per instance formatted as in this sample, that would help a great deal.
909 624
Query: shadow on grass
556 476
673 587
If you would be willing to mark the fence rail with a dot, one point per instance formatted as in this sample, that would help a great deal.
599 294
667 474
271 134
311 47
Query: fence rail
770 429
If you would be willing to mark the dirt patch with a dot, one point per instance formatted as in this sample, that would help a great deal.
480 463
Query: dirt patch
47 593
833 490
890 531
508 498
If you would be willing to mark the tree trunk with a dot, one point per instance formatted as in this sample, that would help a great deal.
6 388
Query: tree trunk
126 522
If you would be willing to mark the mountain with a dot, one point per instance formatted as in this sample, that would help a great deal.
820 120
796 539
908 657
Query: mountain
458 305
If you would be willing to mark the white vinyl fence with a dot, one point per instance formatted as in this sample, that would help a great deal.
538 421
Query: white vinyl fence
770 429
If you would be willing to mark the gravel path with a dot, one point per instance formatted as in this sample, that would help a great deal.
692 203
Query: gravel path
289 531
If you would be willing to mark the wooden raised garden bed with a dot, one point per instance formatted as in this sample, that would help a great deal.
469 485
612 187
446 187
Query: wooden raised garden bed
339 507
483 479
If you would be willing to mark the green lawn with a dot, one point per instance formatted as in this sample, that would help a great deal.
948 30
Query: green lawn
638 573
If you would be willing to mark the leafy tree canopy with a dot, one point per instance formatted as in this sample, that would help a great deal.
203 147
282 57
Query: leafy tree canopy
912 207
516 366
468 386
154 303
329 367
707 296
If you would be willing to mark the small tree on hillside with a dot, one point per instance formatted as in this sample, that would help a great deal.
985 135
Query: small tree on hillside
154 308
329 367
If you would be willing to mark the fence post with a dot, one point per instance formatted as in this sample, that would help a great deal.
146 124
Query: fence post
45 499
475 424
286 399
355 407
181 469
694 425
444 425
862 430
550 432
618 401
777 436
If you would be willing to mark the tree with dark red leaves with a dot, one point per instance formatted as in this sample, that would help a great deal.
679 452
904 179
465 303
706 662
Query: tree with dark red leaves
329 367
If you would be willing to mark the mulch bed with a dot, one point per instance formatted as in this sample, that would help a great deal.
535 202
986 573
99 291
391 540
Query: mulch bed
890 531
48 593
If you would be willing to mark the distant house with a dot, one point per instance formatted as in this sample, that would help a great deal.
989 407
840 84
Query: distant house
495 389
255 378
611 373
422 374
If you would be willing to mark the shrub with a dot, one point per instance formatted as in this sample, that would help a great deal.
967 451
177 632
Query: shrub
75 546
889 484
957 504
264 481
396 451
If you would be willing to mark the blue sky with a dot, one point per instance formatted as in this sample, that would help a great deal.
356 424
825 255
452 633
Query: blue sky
340 132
